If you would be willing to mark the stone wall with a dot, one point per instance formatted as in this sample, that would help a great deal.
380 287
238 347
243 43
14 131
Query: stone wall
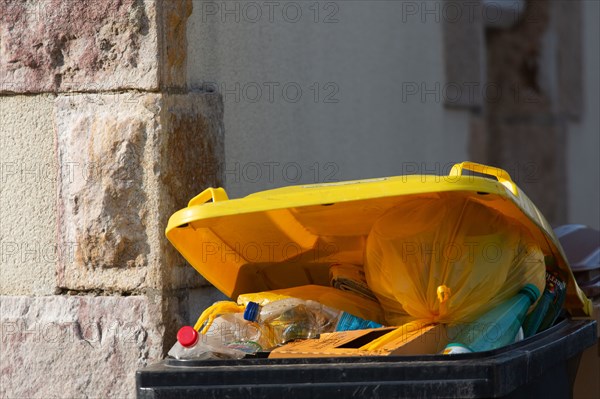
101 143
27 195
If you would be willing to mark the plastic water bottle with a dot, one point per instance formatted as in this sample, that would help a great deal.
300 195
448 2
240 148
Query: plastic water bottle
548 308
230 336
291 318
496 328
190 345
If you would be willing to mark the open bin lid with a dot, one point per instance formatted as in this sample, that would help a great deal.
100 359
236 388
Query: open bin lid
290 236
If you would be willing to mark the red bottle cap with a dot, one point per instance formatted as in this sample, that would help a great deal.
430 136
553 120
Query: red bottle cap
187 336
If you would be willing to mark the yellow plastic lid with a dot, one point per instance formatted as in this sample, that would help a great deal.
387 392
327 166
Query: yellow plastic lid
289 236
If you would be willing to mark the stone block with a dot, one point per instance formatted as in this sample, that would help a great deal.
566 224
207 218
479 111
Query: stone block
127 162
77 346
173 16
58 46
28 247
190 158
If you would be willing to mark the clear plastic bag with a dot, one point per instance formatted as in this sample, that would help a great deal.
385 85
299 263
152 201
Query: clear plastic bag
448 260
328 296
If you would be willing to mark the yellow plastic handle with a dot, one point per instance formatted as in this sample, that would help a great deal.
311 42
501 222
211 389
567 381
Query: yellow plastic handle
214 194
502 175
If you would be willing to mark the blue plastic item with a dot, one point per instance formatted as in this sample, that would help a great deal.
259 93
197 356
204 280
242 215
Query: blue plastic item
496 328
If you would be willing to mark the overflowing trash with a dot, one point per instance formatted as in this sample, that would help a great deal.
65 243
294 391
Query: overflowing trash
436 269
237 329
229 330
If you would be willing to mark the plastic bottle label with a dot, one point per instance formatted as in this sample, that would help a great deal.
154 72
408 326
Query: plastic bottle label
350 322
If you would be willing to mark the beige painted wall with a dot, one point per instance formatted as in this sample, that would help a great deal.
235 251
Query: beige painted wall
362 60
27 196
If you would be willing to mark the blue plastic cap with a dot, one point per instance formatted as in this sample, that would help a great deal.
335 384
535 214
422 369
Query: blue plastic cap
251 312
531 291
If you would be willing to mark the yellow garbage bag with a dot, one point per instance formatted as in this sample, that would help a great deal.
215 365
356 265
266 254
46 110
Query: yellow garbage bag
448 260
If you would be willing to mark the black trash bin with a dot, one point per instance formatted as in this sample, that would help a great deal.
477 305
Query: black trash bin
543 366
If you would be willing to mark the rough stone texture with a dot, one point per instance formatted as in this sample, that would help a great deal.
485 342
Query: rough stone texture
57 46
173 15
93 343
464 52
89 180
128 161
103 207
190 159
28 247
526 135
